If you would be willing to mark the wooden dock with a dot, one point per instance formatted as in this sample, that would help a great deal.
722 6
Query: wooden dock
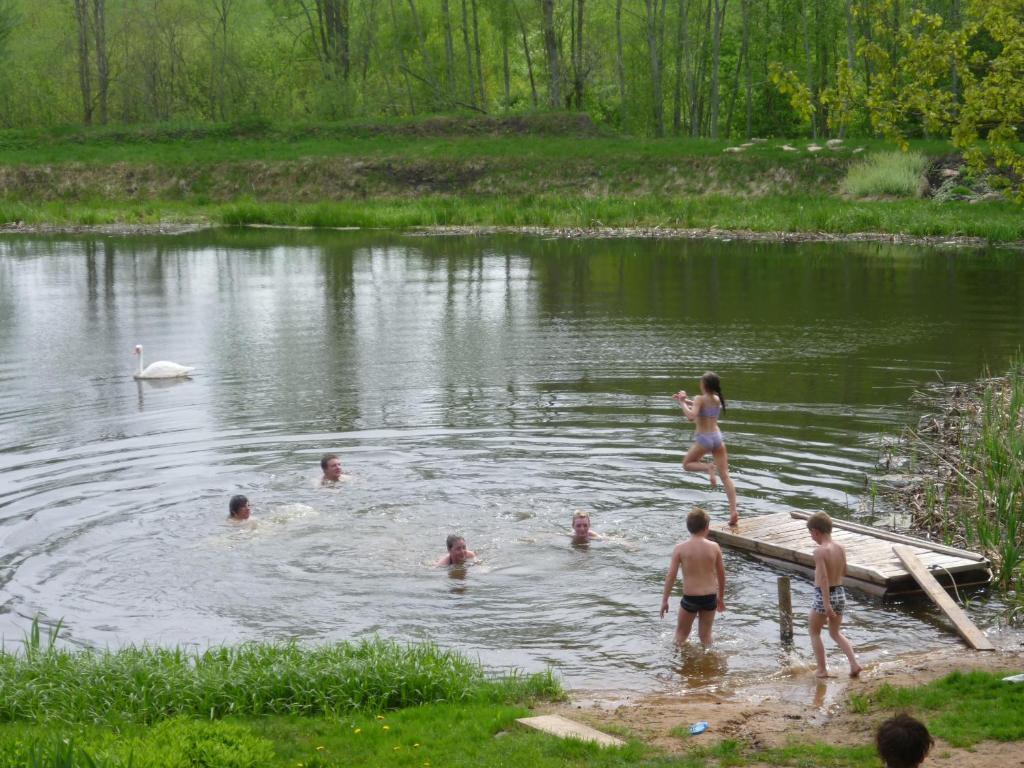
872 566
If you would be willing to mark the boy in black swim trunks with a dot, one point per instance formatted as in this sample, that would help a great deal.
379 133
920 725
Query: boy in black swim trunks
703 579
829 569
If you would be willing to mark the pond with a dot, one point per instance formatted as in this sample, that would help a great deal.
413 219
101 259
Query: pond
485 385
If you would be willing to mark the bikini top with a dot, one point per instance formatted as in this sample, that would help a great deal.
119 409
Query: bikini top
710 412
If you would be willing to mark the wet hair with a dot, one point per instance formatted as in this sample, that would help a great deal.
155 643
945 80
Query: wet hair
713 384
903 741
453 539
237 502
697 520
580 513
819 521
326 458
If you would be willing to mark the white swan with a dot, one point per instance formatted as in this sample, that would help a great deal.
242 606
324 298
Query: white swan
160 369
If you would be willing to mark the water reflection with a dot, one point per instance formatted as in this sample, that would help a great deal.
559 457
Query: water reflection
485 385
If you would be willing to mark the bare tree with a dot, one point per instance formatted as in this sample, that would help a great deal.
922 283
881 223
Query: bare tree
551 46
328 22
716 48
654 51
526 53
469 54
620 68
81 9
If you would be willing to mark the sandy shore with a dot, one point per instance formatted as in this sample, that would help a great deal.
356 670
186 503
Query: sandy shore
798 708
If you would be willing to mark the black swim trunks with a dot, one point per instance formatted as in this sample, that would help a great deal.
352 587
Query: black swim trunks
698 603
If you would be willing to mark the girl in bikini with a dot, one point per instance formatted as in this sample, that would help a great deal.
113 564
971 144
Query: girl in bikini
704 410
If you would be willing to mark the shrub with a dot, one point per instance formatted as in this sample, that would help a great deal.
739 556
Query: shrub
897 174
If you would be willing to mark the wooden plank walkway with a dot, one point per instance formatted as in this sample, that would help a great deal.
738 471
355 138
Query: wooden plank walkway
872 565
964 626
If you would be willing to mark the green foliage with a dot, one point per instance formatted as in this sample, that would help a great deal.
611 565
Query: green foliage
899 174
149 684
994 97
963 708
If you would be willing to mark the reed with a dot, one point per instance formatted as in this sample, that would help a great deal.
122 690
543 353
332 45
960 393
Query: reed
146 684
973 454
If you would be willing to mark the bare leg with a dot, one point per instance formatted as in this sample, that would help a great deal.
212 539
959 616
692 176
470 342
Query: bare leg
683 626
834 626
721 457
707 618
815 623
692 461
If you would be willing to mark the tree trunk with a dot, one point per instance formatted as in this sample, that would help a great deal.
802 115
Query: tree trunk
677 94
469 54
578 74
428 67
551 47
402 63
506 69
526 52
84 74
748 80
657 101
807 62
449 49
99 21
620 68
716 59
479 66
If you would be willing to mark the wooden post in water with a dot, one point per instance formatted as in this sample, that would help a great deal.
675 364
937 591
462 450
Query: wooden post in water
785 610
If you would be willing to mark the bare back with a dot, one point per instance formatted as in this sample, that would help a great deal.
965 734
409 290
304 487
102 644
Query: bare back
831 557
699 559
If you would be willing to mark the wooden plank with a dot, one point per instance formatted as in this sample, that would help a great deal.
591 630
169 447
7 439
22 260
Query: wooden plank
899 538
564 728
974 636
870 587
786 553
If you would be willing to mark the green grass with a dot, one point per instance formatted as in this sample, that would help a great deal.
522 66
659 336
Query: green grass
899 174
995 221
963 708
148 684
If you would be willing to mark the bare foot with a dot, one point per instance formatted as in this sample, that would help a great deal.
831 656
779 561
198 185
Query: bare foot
822 675
856 670
712 475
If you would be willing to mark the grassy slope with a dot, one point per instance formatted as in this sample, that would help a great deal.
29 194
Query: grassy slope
360 176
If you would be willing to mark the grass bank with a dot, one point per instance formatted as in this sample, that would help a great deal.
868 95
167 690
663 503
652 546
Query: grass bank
277 706
541 171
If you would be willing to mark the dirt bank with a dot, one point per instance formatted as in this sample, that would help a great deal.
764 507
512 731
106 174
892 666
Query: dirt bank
660 233
798 708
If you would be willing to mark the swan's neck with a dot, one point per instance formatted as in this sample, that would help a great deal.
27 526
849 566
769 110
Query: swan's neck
140 361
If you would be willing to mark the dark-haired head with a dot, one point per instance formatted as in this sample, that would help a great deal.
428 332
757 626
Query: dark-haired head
236 504
713 384
452 540
903 742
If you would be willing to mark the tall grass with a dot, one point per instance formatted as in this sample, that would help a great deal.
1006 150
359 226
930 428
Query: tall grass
899 174
975 494
145 684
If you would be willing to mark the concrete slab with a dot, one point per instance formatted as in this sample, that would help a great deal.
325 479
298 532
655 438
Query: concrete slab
564 728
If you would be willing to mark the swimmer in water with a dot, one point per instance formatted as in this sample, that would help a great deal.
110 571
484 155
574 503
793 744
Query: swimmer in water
581 527
457 551
239 508
330 464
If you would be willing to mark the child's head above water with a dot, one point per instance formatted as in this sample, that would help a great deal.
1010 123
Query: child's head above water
580 524
238 508
697 520
903 742
457 550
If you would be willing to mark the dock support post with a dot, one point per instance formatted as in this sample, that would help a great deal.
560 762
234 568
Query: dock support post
785 610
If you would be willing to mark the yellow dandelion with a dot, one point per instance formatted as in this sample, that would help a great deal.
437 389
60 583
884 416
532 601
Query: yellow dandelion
380 717
319 749
387 727
415 745
358 730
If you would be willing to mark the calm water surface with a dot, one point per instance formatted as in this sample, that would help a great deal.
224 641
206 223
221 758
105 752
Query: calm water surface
483 385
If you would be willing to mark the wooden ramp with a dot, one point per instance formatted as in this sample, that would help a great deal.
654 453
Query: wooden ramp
564 728
872 565
964 626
